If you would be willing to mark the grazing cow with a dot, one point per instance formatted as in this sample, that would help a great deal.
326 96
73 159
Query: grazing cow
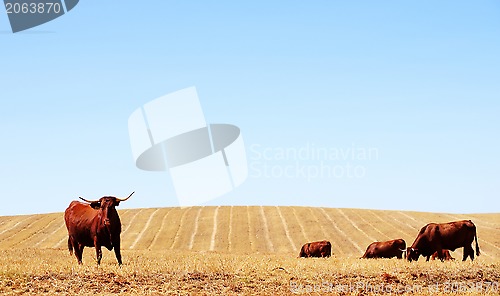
435 237
445 256
94 224
316 249
388 249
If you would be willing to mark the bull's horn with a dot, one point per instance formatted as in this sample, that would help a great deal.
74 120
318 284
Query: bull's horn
402 250
89 201
124 199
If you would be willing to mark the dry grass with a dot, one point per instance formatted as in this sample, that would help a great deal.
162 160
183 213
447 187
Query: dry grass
49 271
167 251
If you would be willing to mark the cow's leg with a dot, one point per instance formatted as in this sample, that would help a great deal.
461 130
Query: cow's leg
70 245
78 248
470 253
116 246
440 252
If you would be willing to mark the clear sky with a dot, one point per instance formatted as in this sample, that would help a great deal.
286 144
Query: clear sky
363 104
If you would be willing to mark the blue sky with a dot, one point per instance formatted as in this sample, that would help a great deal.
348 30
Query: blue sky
417 82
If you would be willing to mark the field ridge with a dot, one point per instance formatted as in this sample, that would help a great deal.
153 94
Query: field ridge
250 229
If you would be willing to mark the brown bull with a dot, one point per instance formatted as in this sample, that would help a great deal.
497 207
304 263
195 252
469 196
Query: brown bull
435 237
316 249
388 249
445 256
94 224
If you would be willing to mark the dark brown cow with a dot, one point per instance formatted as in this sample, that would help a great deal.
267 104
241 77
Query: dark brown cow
388 249
435 237
445 256
316 249
94 224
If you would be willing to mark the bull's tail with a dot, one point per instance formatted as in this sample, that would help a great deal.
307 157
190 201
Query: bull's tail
70 246
477 244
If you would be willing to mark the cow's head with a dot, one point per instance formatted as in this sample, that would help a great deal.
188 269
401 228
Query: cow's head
412 254
106 205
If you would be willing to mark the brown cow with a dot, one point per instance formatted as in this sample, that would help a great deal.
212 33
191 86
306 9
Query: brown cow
316 249
94 224
435 237
445 256
388 249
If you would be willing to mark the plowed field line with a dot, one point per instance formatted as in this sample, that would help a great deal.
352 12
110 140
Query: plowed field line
251 238
132 220
141 233
214 230
355 225
302 230
325 233
408 216
390 224
25 228
373 227
455 218
340 231
266 230
38 231
155 238
15 225
285 227
51 235
230 229
191 241
495 225
399 222
60 242
488 243
176 237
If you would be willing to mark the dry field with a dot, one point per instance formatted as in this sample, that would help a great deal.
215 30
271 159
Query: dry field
243 250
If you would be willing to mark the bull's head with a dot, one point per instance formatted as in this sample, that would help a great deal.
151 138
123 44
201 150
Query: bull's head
107 206
412 254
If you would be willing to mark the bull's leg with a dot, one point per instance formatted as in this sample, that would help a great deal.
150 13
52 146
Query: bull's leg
98 251
116 246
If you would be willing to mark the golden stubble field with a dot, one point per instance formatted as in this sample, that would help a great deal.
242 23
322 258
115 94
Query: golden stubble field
242 250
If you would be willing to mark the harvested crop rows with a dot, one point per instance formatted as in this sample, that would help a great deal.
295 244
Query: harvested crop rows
249 229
